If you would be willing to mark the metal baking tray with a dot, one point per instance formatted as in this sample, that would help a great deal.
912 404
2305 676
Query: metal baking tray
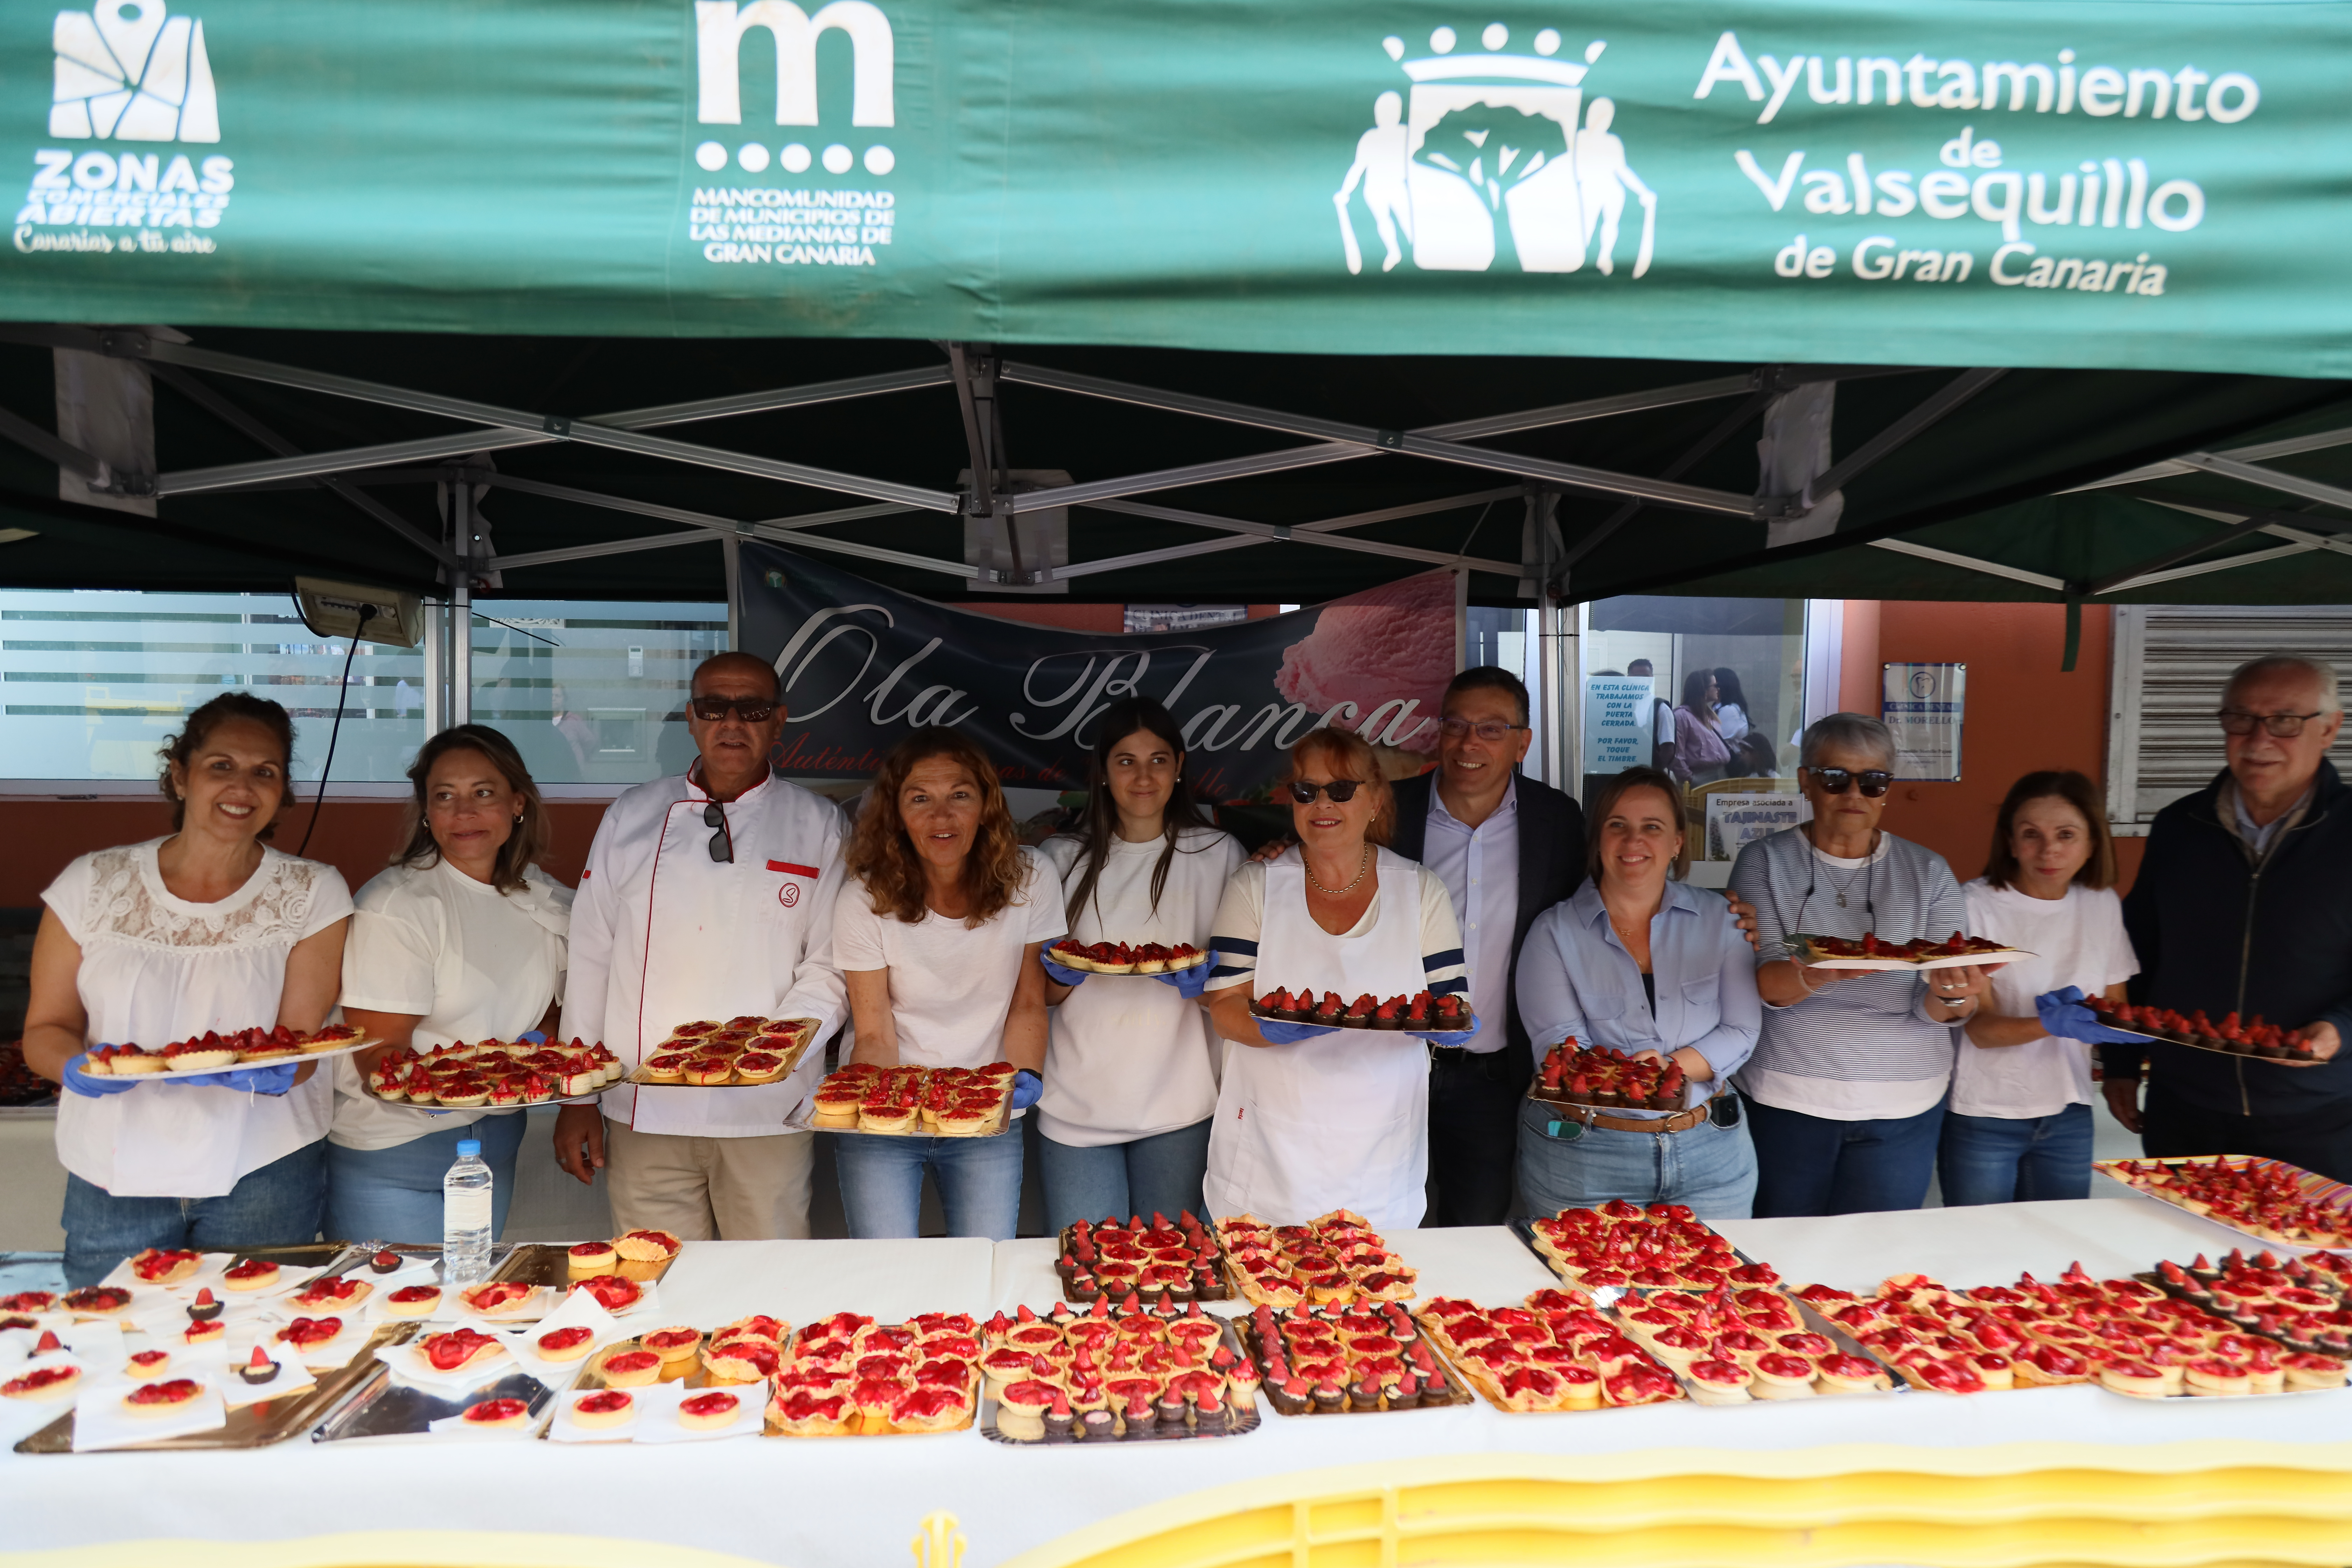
270 1421
2314 1187
549 1263
1239 1423
792 1059
1456 1393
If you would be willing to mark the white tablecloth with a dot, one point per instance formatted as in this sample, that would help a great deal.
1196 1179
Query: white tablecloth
824 1501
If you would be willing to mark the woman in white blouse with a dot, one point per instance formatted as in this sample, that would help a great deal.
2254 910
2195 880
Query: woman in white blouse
151 944
1130 1066
462 939
936 932
1312 1119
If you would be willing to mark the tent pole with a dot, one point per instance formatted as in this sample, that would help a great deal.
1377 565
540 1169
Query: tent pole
461 606
731 550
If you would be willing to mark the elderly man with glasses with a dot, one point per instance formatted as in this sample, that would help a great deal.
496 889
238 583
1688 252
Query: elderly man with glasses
1845 1090
2243 904
708 897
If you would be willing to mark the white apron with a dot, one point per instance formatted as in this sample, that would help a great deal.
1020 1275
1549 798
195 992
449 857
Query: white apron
1341 1121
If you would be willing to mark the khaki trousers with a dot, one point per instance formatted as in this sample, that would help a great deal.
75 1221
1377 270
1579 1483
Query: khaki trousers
710 1189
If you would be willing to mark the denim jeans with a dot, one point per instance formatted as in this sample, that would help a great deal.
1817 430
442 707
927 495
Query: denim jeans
1710 1168
2019 1158
1161 1175
395 1194
1808 1165
276 1204
979 1183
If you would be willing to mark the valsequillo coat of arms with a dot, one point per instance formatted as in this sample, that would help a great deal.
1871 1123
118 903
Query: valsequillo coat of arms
1494 160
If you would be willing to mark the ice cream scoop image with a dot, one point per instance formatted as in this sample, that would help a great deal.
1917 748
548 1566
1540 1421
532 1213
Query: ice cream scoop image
1388 651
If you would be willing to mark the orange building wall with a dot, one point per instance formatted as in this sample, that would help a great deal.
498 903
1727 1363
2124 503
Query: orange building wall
2023 713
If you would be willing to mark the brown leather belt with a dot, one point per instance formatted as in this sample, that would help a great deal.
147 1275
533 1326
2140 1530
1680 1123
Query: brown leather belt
1680 1121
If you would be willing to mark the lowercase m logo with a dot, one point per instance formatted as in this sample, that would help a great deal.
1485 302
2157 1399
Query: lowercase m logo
127 71
720 26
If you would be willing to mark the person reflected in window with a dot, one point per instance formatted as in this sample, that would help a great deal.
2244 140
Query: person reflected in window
1731 721
1701 756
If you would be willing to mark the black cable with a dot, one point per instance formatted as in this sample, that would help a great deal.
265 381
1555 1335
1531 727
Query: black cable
319 803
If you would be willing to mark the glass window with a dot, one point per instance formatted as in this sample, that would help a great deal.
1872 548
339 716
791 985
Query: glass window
1714 691
93 682
592 692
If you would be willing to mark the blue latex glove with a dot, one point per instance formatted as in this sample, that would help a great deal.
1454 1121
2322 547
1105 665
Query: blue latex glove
1026 1087
2063 1014
536 1036
1061 975
97 1085
274 1080
1445 1037
1278 1033
1189 983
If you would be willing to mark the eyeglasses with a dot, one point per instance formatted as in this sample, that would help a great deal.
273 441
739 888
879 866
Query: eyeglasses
750 710
2284 726
722 842
1487 730
1341 791
1874 782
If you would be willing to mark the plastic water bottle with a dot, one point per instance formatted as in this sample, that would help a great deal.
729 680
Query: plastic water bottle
466 1216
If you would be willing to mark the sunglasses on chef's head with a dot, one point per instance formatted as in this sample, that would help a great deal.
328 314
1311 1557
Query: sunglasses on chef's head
1341 791
750 710
1874 782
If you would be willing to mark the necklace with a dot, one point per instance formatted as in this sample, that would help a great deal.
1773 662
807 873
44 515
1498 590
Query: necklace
1839 889
1338 892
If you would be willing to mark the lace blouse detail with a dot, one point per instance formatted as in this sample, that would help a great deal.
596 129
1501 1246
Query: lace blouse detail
121 905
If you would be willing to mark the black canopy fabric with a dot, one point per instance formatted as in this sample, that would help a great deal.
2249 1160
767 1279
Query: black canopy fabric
1982 481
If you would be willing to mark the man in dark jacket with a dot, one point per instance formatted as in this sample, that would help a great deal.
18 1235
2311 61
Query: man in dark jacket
2243 904
1507 848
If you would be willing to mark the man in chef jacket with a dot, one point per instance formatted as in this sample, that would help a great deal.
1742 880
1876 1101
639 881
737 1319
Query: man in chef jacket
706 896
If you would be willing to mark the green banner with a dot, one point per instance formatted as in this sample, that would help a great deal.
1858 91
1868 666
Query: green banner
1982 182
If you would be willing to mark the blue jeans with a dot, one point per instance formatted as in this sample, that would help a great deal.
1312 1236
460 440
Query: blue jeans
1158 1174
276 1204
2021 1159
395 1194
979 1182
1814 1165
1710 1168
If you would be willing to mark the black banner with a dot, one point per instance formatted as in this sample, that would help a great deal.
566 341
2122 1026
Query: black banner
863 665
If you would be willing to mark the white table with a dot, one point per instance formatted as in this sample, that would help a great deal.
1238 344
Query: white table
816 1502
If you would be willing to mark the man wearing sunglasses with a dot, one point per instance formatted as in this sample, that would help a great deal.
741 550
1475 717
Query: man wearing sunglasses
1508 847
2243 904
708 896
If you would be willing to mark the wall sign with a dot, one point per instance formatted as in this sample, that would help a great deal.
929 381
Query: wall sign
1924 705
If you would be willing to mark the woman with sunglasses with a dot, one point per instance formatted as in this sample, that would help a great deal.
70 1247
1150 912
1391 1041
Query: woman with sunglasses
1310 1119
938 931
1131 1060
1636 962
1845 1092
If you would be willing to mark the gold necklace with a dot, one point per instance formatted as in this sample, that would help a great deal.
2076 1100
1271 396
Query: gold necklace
1362 872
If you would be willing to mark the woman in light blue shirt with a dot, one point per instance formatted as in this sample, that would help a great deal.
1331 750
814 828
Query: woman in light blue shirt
1638 962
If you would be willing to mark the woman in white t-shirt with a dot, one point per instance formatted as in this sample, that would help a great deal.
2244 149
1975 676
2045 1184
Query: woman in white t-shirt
151 943
1132 1064
937 931
2019 1129
462 939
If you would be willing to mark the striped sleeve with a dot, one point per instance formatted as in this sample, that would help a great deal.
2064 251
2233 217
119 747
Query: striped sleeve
1241 913
1442 964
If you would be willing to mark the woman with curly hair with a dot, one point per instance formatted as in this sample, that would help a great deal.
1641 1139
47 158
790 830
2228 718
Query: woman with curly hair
936 933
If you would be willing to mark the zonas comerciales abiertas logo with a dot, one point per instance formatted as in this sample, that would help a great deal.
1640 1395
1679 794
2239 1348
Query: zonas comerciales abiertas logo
127 72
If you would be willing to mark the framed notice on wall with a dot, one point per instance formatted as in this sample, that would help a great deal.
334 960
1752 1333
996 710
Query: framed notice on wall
1923 704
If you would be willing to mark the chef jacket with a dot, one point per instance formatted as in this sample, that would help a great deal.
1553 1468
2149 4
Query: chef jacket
662 935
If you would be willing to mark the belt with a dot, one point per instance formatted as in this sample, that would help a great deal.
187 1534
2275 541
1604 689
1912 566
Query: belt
1680 1121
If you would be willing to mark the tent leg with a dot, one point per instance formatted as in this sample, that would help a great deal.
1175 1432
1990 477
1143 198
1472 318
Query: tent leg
458 668
730 549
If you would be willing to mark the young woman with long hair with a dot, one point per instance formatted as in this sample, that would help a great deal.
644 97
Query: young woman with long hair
1131 1060
2019 1129
462 938
936 932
